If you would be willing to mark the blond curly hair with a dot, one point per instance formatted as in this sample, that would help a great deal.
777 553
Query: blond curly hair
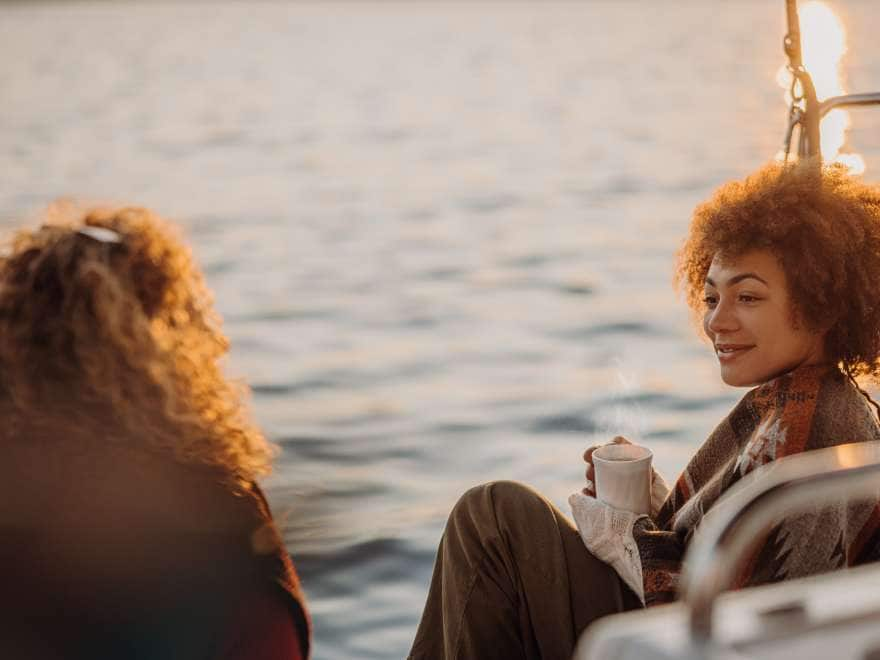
123 324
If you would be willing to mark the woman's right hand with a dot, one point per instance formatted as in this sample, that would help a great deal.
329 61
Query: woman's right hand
590 473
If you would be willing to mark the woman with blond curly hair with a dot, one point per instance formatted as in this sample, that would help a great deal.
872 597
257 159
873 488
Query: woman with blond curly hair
132 525
782 269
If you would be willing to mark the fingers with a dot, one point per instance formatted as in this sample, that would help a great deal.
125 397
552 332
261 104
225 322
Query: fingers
590 473
617 440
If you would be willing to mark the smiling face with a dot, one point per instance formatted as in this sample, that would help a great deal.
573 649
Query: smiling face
751 322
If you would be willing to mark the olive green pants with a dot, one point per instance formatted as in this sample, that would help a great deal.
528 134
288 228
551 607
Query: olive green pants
513 580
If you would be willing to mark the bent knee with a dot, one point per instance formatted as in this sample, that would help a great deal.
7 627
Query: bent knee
503 510
496 496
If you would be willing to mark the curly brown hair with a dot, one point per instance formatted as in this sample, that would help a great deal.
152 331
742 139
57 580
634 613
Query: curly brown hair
125 328
823 225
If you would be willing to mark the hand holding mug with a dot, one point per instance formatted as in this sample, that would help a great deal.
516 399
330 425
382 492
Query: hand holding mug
590 473
620 475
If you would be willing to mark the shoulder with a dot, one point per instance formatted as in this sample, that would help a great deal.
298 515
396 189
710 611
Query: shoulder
815 407
783 415
262 628
843 415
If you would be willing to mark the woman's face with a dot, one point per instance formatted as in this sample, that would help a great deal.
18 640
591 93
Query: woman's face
751 322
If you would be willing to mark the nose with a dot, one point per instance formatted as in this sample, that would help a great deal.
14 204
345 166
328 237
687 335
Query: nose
722 319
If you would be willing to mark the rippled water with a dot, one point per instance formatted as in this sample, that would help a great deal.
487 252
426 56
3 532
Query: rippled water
440 234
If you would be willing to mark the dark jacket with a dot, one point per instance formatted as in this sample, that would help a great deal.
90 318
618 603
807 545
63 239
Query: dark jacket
109 552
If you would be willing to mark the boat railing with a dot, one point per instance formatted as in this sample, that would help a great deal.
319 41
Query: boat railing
784 487
806 111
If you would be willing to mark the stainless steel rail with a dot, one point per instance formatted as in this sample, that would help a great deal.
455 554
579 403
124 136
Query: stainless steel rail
806 111
784 487
848 101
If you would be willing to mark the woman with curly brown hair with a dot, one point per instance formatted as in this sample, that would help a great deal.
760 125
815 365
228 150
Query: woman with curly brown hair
132 525
781 268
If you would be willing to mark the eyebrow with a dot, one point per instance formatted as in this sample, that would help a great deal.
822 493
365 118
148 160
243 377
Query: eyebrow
736 279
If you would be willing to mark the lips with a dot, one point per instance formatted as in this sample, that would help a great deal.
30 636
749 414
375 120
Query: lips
727 352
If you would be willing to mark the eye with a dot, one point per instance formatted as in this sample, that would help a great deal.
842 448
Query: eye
746 298
711 300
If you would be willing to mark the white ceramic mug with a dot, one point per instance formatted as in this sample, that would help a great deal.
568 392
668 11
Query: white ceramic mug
623 476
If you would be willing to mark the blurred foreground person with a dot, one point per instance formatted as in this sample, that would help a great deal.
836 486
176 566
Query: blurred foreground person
131 525
782 269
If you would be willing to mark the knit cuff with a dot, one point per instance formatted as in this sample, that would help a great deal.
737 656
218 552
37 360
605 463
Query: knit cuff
659 492
608 535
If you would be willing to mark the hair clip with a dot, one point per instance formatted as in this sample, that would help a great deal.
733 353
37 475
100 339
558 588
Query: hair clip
100 234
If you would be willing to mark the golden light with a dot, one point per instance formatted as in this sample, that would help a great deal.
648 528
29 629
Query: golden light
850 455
823 45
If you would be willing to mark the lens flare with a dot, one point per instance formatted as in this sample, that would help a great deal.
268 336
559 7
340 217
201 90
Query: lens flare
823 45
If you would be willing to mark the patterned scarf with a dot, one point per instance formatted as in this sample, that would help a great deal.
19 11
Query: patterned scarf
809 408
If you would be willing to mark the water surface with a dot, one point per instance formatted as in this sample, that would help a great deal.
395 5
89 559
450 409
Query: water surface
440 233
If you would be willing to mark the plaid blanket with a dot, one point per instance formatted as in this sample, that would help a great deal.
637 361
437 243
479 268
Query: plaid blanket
809 408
